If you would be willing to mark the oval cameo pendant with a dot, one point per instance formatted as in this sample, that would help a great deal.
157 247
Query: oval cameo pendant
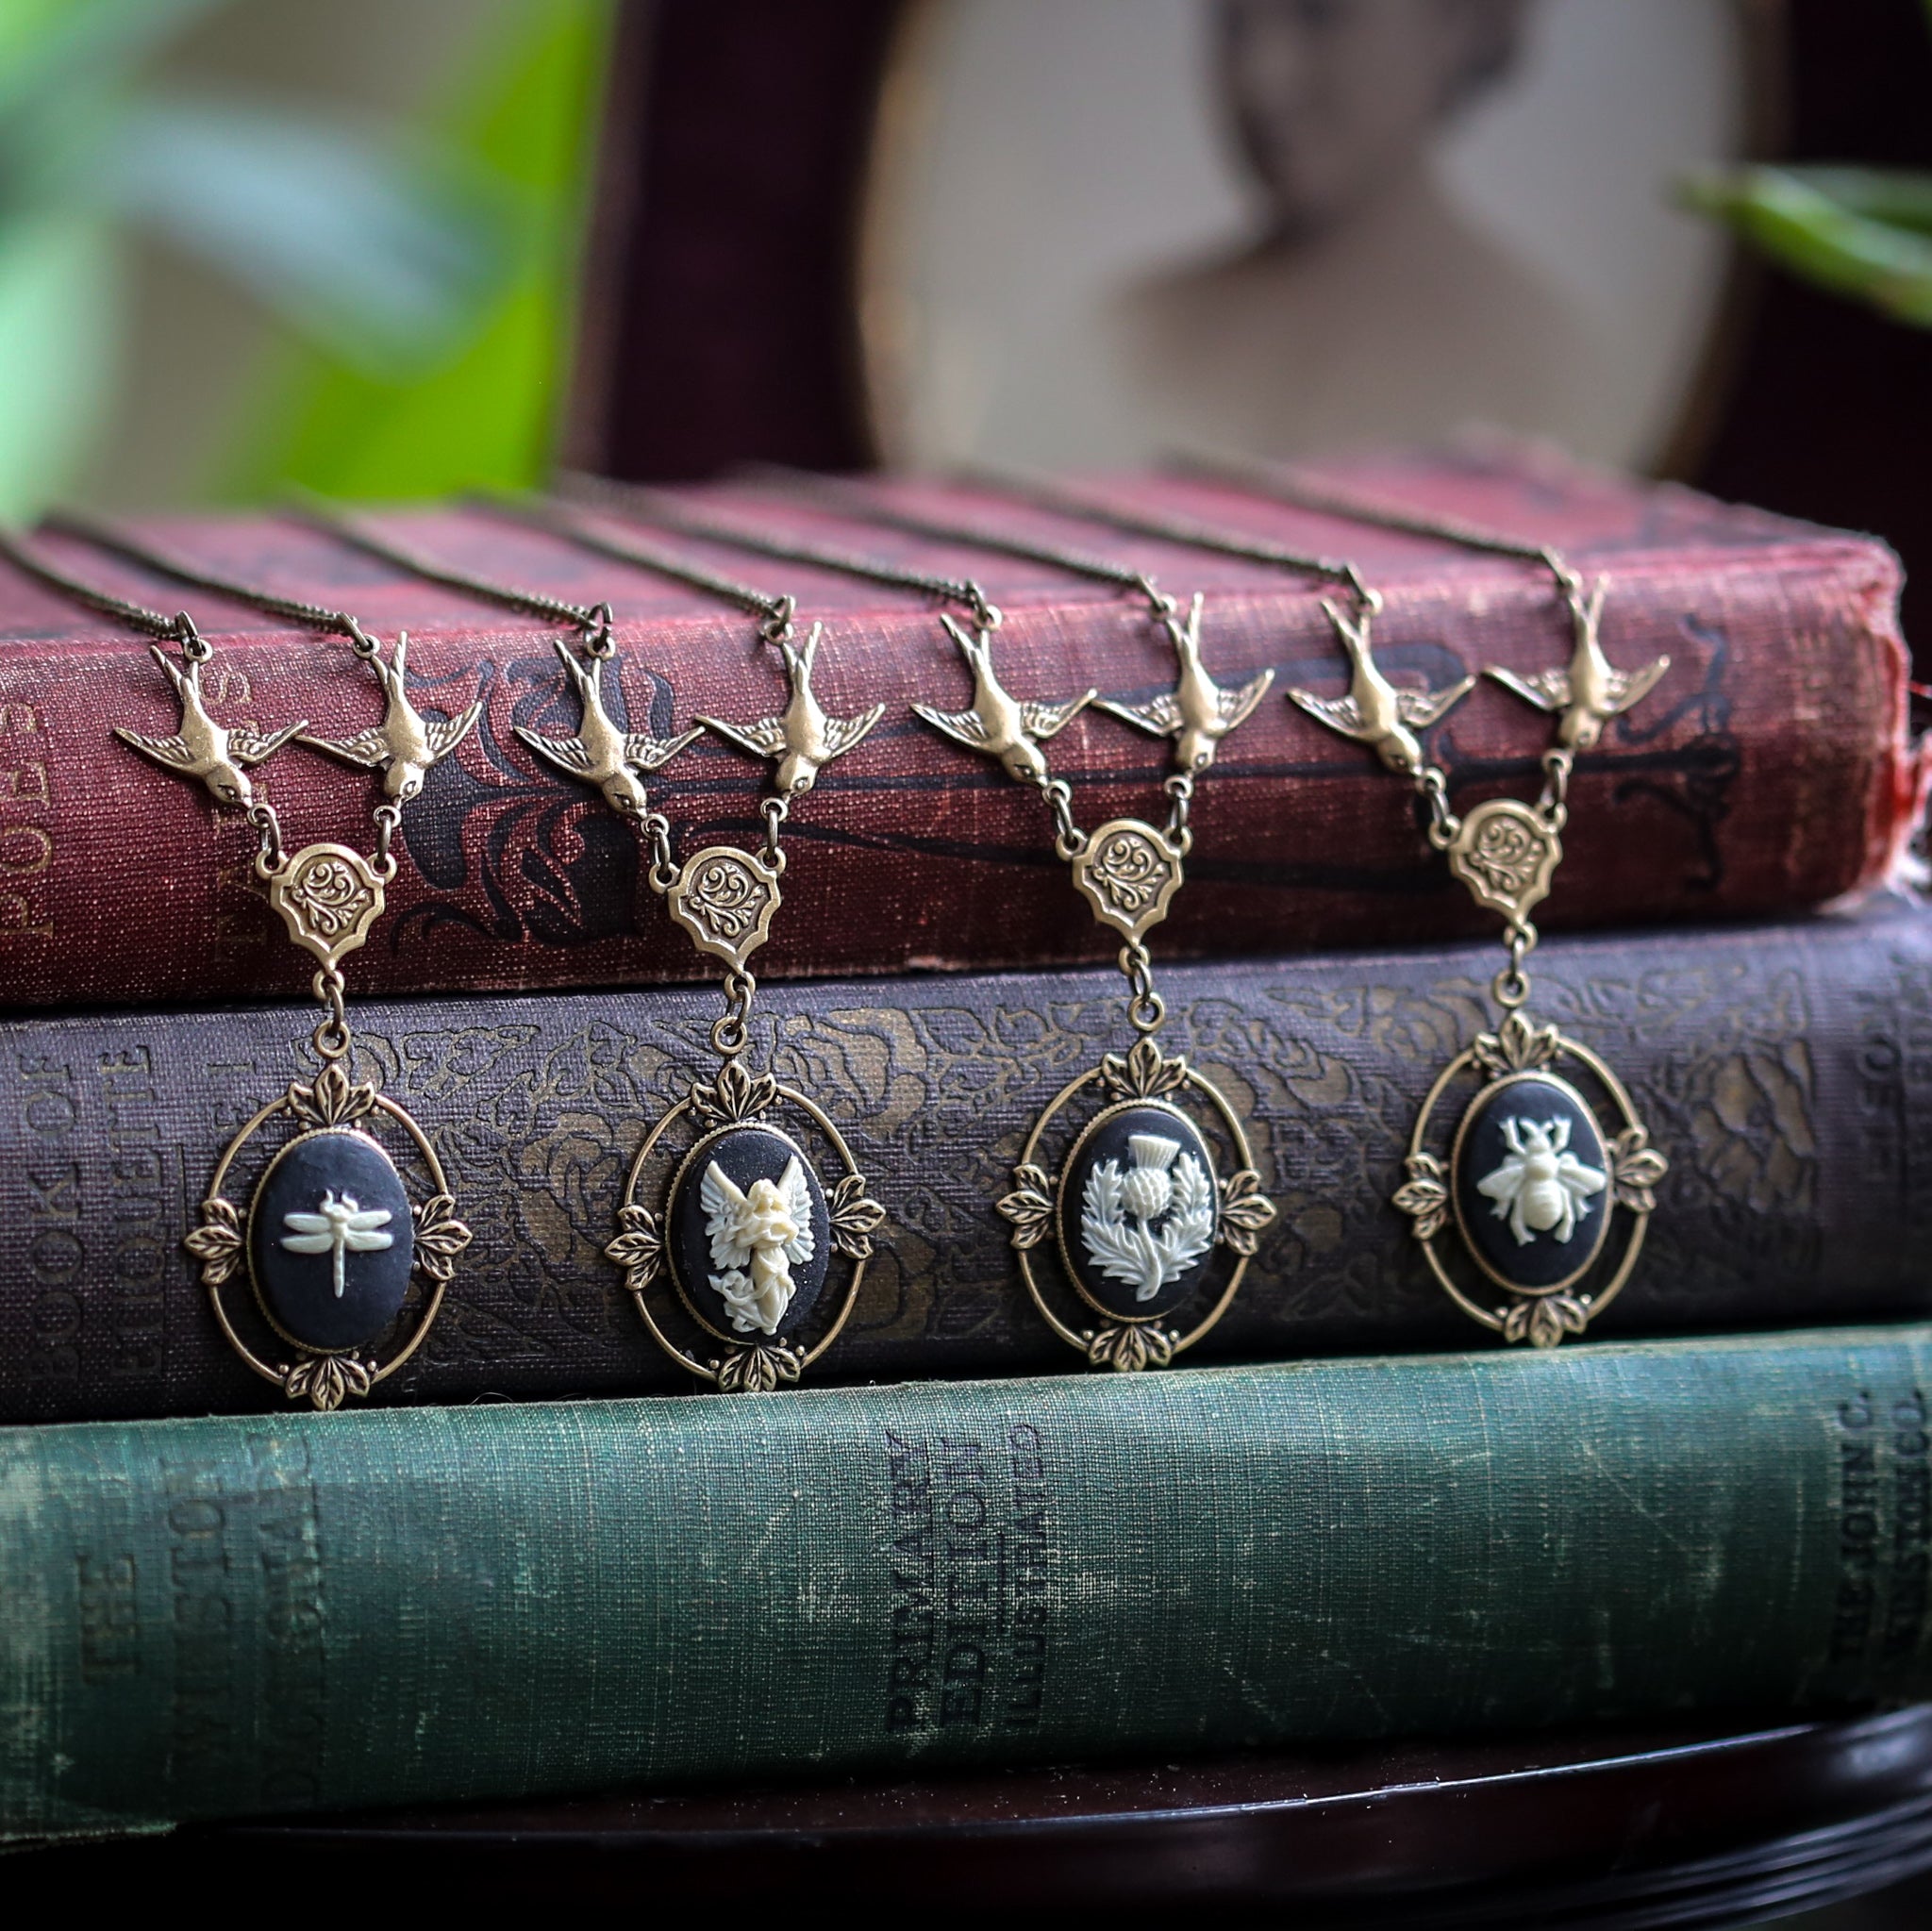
737 1270
1134 1246
346 1260
1548 1192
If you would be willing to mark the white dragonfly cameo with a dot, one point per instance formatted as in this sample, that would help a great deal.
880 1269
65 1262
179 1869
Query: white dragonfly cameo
1542 1185
338 1227
757 1234
1147 1224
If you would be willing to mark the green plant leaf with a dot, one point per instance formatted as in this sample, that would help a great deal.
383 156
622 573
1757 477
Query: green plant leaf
51 50
1863 232
60 335
485 417
387 265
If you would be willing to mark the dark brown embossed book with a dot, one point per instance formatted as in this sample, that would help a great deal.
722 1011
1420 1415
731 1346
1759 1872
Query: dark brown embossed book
1786 1070
1770 770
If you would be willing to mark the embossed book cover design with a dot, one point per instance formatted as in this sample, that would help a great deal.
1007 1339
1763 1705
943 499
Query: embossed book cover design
1786 1070
1769 768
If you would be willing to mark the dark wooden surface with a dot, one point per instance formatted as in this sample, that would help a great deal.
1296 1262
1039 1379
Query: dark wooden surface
1667 1826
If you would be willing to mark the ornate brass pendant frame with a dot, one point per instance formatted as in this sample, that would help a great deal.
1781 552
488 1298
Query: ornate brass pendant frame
1535 1170
226 1242
316 1345
1137 1083
1136 1201
665 1165
1517 1055
749 1325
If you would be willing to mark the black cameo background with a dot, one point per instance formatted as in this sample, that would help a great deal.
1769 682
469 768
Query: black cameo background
331 1240
1137 1211
746 1155
1550 1120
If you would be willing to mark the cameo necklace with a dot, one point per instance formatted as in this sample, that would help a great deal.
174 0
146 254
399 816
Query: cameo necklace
1534 1171
729 1235
306 1203
1134 1247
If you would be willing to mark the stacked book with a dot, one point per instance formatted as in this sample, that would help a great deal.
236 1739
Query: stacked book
1370 1472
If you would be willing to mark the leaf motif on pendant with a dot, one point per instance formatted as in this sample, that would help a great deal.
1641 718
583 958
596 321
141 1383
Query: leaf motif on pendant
639 1248
1127 1350
758 1369
326 1380
1543 1322
1637 1167
440 1237
1030 1206
217 1242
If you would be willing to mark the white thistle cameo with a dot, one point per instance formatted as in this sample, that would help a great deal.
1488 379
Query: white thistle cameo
756 1233
338 1227
1542 1185
1119 1212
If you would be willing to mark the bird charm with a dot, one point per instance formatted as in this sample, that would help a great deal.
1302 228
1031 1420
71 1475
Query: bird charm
1591 690
756 1234
1375 712
998 726
602 755
404 744
1197 714
202 748
801 739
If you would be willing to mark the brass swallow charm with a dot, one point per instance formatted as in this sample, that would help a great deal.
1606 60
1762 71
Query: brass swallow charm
404 744
1591 690
202 748
801 739
600 754
998 726
1375 712
1197 714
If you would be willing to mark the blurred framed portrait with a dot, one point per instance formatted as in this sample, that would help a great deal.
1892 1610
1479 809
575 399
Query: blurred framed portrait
1090 231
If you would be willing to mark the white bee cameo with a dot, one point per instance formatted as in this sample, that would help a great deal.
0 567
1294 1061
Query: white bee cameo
1119 1211
1542 1185
756 1235
338 1227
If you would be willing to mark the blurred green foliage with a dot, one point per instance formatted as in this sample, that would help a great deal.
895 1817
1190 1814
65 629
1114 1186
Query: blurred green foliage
485 413
1864 232
420 288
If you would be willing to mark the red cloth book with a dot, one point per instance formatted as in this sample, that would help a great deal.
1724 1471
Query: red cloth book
1771 769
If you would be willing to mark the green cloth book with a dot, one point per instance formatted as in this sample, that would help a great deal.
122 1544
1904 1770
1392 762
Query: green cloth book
252 1614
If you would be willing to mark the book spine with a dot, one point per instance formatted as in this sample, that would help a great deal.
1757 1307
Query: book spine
1785 1070
222 1617
1770 770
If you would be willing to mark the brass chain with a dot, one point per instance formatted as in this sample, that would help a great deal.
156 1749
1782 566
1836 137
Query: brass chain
774 612
116 541
652 506
180 629
1057 500
594 620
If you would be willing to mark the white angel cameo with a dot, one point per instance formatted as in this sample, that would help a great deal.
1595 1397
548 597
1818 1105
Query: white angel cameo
1542 1185
757 1234
1151 1223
